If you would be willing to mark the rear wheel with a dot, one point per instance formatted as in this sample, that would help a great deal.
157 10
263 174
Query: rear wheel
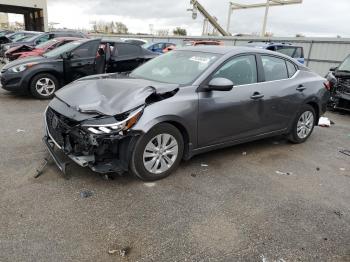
303 125
43 86
157 153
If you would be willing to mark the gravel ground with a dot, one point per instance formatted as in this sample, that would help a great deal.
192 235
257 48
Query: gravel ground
227 205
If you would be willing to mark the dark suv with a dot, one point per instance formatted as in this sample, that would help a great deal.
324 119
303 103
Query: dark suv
296 52
339 81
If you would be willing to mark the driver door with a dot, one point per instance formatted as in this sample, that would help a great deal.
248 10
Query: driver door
231 115
82 61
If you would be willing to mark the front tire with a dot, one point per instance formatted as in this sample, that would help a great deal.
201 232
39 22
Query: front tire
43 86
303 125
157 153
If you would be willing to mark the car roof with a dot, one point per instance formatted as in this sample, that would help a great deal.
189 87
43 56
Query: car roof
230 50
266 44
63 38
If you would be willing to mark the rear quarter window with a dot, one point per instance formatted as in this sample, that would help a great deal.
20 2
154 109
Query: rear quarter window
274 68
291 69
127 50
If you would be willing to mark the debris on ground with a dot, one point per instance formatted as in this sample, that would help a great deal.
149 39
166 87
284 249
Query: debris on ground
324 122
244 153
39 171
338 213
149 184
275 142
317 168
86 193
204 165
122 252
193 175
284 173
345 152
20 131
342 169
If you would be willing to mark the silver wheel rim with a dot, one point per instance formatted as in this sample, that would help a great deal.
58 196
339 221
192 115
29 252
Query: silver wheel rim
45 86
160 153
305 124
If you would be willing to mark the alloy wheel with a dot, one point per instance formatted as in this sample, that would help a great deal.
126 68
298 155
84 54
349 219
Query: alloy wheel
45 86
305 124
160 153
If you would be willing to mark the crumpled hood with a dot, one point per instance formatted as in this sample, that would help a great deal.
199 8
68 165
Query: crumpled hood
110 96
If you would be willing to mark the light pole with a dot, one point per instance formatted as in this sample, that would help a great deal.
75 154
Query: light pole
265 17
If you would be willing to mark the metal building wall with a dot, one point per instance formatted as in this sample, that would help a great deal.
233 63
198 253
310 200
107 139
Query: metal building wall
320 53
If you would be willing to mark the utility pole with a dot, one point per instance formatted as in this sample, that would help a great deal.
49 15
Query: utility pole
267 5
265 18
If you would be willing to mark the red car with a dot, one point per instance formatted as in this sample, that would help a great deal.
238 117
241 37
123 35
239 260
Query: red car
25 50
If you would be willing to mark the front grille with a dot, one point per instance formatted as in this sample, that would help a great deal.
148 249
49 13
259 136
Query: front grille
343 85
58 126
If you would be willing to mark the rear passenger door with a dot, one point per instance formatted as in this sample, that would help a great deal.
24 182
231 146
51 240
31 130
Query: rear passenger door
279 87
125 57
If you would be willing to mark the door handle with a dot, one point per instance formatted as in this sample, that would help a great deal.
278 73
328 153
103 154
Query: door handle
256 96
301 88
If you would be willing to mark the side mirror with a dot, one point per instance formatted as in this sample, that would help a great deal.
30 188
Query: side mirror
220 84
67 55
333 69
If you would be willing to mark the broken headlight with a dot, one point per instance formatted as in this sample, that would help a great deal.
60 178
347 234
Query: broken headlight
113 127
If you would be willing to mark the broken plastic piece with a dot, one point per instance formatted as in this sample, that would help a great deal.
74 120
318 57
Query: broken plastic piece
324 122
284 173
345 152
204 165
86 194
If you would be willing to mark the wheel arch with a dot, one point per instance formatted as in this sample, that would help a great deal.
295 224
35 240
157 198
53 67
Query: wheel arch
52 72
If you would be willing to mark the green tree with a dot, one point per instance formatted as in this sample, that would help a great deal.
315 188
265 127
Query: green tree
179 31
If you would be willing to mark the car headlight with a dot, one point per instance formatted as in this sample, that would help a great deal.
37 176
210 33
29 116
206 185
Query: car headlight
115 127
20 68
6 47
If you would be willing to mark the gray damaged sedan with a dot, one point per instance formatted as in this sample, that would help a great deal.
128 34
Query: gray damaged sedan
180 104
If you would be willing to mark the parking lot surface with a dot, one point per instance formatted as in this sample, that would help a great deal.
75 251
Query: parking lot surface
262 201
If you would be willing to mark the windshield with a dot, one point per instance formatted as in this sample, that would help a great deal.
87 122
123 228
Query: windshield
22 38
63 49
147 45
47 44
176 67
345 66
30 38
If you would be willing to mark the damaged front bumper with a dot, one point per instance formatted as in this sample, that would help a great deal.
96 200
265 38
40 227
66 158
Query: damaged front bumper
102 153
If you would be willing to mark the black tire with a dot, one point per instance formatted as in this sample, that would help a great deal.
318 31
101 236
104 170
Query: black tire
293 135
137 165
41 78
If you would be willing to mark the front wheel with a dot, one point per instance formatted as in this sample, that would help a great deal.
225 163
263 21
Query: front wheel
43 86
158 153
303 125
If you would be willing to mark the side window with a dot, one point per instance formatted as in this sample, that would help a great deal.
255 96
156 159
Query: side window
291 69
289 51
274 68
298 53
240 70
127 50
86 50
42 39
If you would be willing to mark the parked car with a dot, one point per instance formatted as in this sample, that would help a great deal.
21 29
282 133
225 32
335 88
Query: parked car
135 41
339 84
39 39
158 47
43 75
296 52
6 32
26 51
194 43
180 104
16 36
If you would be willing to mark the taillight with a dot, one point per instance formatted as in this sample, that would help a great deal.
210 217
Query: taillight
327 85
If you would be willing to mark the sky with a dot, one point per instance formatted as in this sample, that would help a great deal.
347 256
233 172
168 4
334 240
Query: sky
311 18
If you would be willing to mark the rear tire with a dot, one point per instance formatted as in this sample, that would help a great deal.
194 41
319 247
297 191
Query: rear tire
157 153
303 125
44 86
